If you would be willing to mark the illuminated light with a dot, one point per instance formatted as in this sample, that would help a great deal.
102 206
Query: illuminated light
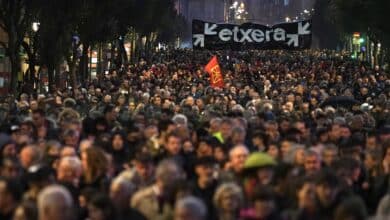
379 44
361 40
356 34
35 26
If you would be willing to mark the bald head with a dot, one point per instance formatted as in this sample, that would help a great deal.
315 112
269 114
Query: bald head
29 156
238 155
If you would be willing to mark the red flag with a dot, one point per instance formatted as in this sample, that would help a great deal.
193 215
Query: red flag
216 78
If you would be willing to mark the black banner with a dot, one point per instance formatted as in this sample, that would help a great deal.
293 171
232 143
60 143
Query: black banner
212 36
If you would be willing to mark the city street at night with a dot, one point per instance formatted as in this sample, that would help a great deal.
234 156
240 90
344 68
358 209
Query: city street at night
194 110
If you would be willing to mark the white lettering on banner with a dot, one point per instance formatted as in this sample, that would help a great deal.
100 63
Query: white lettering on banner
245 35
257 35
293 39
210 30
199 39
303 30
225 34
267 35
239 34
235 32
279 34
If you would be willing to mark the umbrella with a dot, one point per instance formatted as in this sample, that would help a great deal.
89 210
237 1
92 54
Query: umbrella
340 101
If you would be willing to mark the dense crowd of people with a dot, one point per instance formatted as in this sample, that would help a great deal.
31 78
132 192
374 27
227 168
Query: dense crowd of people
291 135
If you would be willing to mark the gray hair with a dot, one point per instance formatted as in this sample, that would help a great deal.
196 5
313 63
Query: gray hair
237 147
238 108
125 182
228 188
216 120
166 168
196 207
180 119
383 210
58 200
74 162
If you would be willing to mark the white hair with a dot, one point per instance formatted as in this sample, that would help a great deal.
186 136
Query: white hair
55 200
73 161
238 108
383 209
180 119
194 205
236 148
124 181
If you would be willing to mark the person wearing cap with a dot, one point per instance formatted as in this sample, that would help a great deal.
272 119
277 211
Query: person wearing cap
205 183
258 171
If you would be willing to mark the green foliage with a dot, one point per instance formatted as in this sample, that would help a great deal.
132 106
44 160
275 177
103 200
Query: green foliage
369 16
93 21
15 20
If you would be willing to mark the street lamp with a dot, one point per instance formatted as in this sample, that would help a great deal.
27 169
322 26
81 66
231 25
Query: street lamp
237 12
35 26
287 19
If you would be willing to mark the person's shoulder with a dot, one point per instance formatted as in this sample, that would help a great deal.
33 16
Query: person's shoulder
141 194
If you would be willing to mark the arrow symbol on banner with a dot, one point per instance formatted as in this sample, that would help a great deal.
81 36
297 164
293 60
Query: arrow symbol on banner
199 39
293 39
210 30
303 29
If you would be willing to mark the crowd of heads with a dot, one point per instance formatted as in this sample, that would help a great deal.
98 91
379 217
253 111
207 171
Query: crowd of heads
291 135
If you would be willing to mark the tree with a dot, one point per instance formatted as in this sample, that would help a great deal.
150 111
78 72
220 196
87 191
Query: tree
368 16
57 19
155 19
324 27
15 20
98 22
